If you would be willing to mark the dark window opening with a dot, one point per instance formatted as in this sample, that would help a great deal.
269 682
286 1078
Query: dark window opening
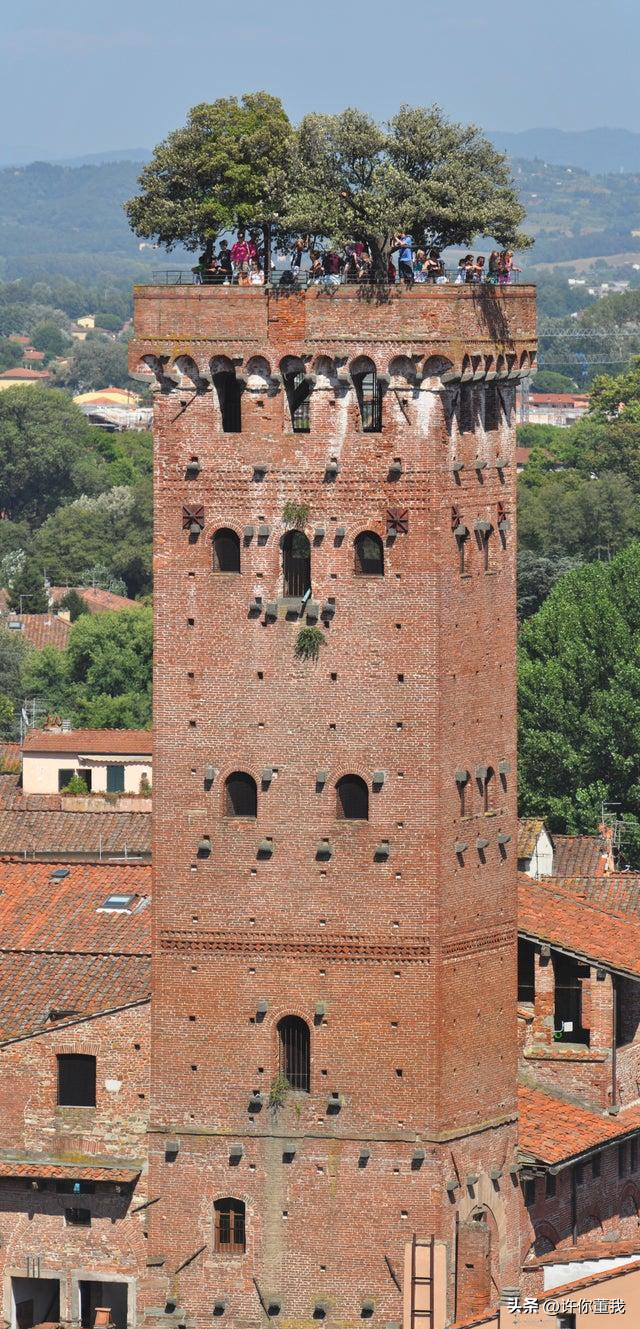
369 395
241 795
115 779
36 1301
596 1166
352 799
296 564
489 790
627 1010
569 976
76 1080
491 408
229 1226
633 1154
530 1191
484 538
294 1052
226 551
66 774
94 1294
526 970
579 1171
622 1159
461 541
369 555
550 1185
466 409
77 1217
566 1321
229 391
299 389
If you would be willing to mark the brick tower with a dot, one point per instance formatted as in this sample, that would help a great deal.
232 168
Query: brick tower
334 1042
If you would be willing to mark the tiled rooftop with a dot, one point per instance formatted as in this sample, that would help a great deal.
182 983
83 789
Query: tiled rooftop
121 742
615 893
66 1171
552 1131
40 629
109 834
40 992
529 829
597 1250
578 856
550 911
95 598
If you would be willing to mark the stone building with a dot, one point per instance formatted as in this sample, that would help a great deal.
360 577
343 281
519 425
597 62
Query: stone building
334 1041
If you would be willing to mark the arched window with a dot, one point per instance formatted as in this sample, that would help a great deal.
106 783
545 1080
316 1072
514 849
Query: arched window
352 799
369 555
294 1051
298 388
489 790
296 564
369 395
226 551
229 1226
240 795
229 390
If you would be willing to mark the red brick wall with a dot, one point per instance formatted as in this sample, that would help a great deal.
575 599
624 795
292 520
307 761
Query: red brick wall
413 959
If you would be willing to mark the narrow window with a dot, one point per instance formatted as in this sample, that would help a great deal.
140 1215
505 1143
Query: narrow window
298 390
579 1174
596 1166
352 799
483 537
633 1154
622 1159
529 1191
526 971
461 533
369 395
466 409
229 391
369 555
294 1052
76 1080
241 795
229 1226
115 779
491 408
226 551
550 1185
296 564
462 783
489 790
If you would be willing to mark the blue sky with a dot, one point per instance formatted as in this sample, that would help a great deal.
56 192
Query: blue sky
78 76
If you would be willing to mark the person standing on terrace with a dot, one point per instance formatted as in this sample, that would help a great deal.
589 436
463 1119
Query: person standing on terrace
404 245
240 255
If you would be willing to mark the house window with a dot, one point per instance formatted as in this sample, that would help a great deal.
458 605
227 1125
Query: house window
352 799
229 1226
526 972
294 1052
462 535
229 391
226 551
296 564
369 395
75 1217
76 1080
298 390
115 779
369 555
66 774
240 795
491 408
530 1191
466 409
569 976
483 537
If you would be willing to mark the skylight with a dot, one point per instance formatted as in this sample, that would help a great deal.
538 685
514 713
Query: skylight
118 902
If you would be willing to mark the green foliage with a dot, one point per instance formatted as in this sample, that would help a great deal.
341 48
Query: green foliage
110 322
226 167
96 363
74 603
444 182
547 380
14 652
47 453
103 678
278 1090
129 455
308 643
10 354
563 513
145 789
295 514
27 594
537 574
48 338
76 785
579 697
112 530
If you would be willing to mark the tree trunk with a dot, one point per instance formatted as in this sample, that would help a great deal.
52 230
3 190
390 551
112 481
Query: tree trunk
266 234
379 258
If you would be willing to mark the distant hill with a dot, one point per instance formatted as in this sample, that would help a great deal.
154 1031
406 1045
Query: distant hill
599 151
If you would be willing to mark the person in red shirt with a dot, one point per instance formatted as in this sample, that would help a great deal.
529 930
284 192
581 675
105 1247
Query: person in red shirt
240 254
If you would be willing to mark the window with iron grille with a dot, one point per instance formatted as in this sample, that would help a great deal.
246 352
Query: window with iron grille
296 564
240 795
369 555
229 391
298 389
226 550
76 1080
352 799
294 1052
229 1226
369 395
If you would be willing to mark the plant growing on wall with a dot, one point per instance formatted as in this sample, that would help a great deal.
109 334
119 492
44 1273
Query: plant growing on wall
295 514
278 1090
308 643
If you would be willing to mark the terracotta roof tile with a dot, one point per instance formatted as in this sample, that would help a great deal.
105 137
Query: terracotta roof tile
41 912
551 1130
615 893
67 1171
95 598
60 833
529 829
550 911
23 374
40 629
597 1250
122 742
578 856
74 986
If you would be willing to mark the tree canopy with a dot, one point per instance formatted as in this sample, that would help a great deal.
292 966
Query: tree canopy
46 453
103 678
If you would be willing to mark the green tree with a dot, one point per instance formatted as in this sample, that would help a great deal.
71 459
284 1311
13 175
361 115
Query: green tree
10 354
579 697
548 380
110 322
48 338
356 180
27 594
46 453
227 167
113 530
537 575
74 604
14 651
96 363
564 513
103 678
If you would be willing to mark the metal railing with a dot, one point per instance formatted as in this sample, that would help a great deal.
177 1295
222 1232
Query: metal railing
288 279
